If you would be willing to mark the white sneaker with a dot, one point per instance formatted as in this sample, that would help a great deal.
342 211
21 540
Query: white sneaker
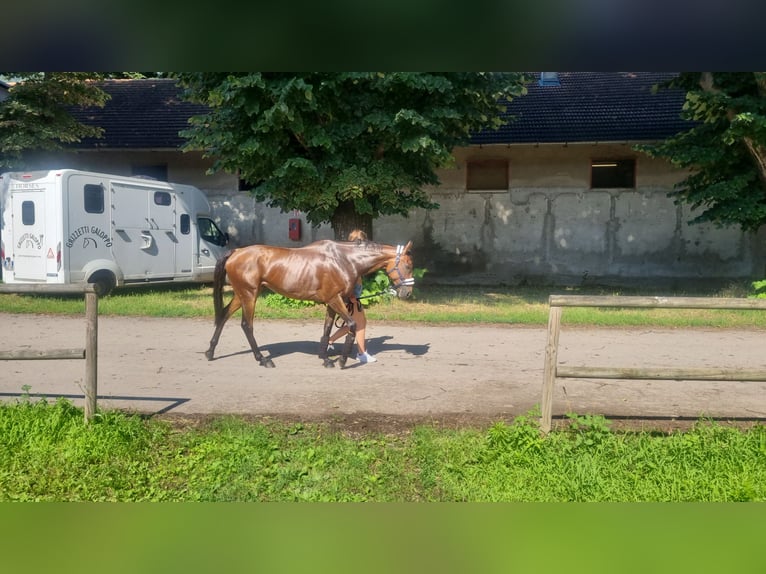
365 358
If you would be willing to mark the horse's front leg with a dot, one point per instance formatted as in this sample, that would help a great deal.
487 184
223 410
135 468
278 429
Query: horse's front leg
325 340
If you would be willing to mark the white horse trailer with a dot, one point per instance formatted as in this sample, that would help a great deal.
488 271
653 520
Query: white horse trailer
68 226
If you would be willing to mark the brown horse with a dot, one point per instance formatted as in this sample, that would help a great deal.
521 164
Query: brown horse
324 271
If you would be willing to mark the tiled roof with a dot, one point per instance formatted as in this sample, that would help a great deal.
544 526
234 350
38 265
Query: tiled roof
585 107
141 114
592 107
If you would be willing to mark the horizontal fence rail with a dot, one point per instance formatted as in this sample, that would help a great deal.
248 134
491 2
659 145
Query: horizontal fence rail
89 353
655 302
33 355
552 370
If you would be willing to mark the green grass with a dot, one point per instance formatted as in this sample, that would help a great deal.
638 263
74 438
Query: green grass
50 454
430 304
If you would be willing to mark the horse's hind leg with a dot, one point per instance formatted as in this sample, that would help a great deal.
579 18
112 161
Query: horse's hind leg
339 307
228 311
248 312
348 343
325 340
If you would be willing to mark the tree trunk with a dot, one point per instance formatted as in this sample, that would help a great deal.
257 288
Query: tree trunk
758 154
757 151
346 219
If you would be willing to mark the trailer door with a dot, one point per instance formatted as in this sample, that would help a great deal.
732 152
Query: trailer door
29 256
88 235
162 217
144 231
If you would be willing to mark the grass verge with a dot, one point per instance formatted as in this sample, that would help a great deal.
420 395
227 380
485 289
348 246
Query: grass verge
430 304
50 454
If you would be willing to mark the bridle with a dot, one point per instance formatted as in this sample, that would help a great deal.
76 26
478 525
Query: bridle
400 281
397 283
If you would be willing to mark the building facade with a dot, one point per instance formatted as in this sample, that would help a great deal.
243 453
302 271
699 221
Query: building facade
559 195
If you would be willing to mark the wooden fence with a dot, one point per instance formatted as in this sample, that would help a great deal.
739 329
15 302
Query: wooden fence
553 371
89 353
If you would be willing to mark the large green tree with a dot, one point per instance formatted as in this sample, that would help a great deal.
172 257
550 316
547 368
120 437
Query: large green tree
36 117
726 150
343 148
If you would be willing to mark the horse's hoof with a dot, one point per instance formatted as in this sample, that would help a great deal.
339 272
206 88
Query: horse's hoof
342 362
268 363
328 364
209 355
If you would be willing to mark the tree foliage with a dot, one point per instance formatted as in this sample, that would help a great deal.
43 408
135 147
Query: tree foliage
726 150
36 117
342 147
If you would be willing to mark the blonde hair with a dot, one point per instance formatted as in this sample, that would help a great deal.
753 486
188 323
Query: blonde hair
357 235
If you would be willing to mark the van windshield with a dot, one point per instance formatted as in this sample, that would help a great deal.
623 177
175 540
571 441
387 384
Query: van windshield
209 231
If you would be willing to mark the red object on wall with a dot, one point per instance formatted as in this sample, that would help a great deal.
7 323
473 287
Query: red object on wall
294 229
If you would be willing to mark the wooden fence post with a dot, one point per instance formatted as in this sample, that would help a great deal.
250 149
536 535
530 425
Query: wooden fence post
549 371
91 353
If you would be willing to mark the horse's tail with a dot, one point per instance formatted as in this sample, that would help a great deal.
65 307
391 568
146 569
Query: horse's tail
219 278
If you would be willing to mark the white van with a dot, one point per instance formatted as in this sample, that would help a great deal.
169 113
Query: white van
70 226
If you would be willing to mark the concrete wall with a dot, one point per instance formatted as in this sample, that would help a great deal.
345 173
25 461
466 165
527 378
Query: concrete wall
549 227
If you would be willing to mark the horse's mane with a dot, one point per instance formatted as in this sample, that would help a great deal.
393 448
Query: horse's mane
366 244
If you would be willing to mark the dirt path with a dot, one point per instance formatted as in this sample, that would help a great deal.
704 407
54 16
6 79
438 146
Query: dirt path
455 375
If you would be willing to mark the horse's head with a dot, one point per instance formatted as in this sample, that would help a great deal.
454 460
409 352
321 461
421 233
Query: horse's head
399 271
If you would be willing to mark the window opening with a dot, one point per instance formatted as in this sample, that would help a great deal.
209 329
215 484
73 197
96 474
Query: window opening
158 172
245 185
487 175
93 198
612 173
549 79
161 198
28 212
185 224
209 231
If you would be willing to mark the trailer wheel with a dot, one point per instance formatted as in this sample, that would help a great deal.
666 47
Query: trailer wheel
103 282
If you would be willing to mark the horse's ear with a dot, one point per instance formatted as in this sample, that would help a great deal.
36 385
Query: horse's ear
408 246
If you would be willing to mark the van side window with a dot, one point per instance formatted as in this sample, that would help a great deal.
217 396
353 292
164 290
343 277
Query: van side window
209 231
93 197
28 212
185 224
161 198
